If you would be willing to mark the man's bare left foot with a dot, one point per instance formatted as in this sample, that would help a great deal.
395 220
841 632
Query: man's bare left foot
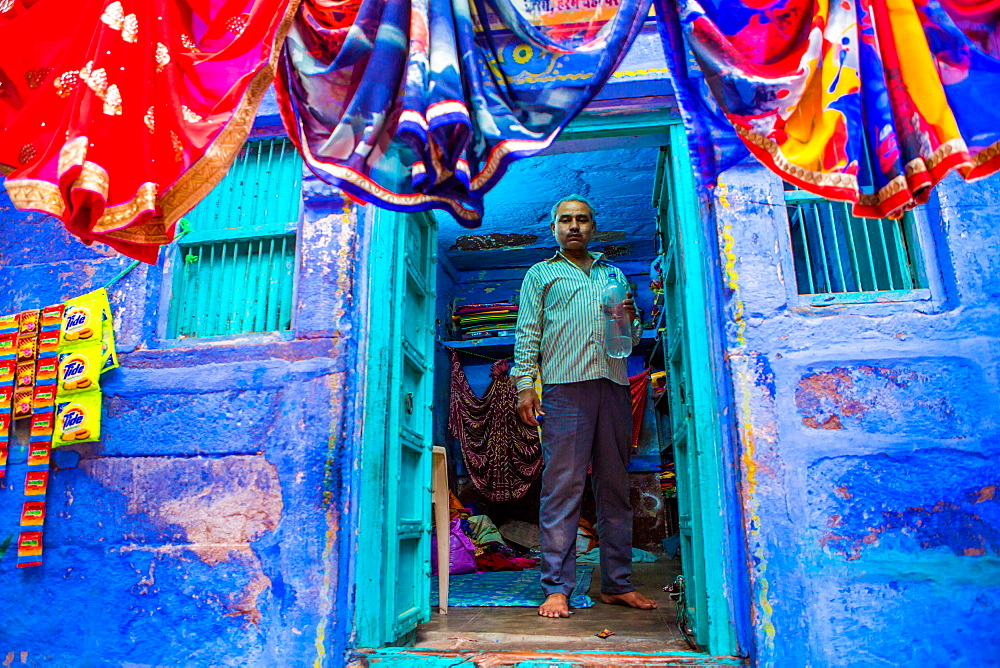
555 605
632 599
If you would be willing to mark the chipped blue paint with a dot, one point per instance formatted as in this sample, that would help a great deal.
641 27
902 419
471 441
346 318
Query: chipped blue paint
870 441
204 525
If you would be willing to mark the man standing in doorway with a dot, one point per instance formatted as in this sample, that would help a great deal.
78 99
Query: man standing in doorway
588 409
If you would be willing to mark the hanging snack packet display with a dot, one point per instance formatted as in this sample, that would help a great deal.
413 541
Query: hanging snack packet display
48 344
9 325
29 322
29 549
8 369
8 345
52 318
4 439
47 371
28 326
23 396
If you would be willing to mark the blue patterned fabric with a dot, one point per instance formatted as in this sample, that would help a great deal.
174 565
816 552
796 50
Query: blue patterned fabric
446 91
507 589
865 101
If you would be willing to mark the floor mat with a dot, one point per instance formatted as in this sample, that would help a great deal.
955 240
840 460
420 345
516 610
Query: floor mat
514 589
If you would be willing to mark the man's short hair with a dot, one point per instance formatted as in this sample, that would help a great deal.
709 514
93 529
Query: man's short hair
574 198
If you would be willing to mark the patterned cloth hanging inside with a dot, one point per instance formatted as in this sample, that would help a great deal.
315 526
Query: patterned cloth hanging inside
638 385
503 455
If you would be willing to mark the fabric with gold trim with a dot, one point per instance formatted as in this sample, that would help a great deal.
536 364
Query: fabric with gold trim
423 104
865 101
129 111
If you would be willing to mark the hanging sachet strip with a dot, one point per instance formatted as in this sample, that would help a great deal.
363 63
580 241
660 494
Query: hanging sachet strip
420 105
73 344
86 350
865 101
9 326
128 112
36 483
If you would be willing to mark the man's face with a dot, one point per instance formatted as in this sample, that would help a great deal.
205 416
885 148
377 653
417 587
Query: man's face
573 226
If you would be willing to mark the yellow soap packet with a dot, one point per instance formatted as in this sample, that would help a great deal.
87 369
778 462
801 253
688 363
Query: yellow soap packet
83 320
80 369
87 319
108 352
78 420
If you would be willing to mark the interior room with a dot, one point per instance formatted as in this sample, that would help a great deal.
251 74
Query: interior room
478 284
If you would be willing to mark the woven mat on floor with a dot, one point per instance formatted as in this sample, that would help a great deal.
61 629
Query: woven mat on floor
514 589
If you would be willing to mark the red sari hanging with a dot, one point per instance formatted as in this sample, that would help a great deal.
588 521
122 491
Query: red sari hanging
121 123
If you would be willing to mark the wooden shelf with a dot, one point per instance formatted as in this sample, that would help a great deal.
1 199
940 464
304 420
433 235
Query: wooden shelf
497 346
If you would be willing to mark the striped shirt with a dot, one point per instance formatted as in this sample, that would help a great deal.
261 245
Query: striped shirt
560 324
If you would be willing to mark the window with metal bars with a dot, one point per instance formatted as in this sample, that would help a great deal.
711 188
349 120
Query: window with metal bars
841 258
236 266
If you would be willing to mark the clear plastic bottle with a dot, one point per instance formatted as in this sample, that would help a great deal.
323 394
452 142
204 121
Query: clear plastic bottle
617 327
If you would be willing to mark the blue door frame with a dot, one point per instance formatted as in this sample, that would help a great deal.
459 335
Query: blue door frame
725 574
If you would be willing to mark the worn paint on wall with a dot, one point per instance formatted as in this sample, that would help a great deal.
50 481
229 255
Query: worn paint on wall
205 524
870 441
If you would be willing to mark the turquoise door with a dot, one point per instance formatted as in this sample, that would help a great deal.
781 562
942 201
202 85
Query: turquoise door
693 423
392 563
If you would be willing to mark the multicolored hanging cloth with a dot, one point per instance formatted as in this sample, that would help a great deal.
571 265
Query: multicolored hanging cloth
118 116
503 455
638 386
423 104
866 101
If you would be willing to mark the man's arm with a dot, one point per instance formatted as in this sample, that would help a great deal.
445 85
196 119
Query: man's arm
527 345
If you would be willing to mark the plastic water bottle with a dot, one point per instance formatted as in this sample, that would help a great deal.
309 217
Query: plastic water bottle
617 326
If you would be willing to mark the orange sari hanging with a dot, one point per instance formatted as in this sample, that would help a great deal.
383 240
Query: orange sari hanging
118 116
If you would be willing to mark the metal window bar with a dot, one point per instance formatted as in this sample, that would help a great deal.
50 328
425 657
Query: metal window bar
235 269
262 303
837 253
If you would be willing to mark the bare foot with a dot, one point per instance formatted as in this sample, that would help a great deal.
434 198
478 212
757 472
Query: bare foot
632 599
556 605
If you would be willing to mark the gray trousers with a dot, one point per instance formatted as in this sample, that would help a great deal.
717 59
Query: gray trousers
589 422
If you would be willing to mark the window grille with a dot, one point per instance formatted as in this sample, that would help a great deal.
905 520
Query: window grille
236 267
839 255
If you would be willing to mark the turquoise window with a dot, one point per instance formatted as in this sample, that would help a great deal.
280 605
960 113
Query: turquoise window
848 258
236 267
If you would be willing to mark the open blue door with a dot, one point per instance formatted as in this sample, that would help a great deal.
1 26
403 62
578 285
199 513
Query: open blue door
694 422
392 567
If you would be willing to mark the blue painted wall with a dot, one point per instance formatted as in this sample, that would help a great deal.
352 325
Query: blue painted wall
203 528
870 437
213 523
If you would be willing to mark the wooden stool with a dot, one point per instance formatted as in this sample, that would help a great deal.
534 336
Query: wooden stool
442 521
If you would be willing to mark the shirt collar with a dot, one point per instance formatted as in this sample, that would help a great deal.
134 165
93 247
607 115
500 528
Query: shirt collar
597 257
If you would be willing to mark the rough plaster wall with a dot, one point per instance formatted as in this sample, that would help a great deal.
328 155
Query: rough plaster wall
202 528
870 443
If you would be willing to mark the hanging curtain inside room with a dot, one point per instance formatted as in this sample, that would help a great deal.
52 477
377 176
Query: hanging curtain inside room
423 104
503 455
119 116
866 101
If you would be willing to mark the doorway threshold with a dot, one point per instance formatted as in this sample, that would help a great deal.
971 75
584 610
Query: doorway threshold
394 657
511 636
521 629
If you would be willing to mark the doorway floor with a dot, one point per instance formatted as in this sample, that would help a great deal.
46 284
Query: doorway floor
522 629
